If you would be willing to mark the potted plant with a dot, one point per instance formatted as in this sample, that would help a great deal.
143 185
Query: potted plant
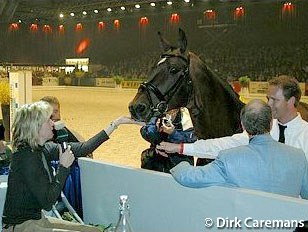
5 106
244 83
118 80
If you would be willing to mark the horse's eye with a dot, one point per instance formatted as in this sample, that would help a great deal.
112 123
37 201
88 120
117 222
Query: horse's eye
141 89
173 70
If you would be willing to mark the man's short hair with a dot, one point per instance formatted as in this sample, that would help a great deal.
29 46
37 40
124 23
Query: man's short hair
289 86
256 117
51 100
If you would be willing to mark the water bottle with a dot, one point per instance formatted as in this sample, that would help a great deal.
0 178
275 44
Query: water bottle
123 224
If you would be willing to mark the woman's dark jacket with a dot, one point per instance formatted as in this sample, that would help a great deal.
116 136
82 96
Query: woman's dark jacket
30 187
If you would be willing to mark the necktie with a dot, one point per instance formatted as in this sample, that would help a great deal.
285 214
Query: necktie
281 133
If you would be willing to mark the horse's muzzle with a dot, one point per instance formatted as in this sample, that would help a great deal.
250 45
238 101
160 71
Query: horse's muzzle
138 111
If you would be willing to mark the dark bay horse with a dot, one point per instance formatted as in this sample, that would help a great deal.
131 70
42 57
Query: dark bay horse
181 78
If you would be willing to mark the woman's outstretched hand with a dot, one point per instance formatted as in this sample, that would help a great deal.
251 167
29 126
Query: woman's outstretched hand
127 120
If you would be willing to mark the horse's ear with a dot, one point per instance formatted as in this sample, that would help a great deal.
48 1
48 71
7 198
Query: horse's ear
182 41
165 45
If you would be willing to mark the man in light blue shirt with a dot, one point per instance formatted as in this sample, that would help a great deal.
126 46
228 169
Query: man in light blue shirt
264 164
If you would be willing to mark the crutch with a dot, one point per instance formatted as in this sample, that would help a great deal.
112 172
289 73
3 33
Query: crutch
69 207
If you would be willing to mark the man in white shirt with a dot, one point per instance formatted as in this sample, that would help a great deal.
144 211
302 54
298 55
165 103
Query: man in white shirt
283 97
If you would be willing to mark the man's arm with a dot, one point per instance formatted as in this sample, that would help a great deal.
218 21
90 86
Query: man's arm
150 132
304 189
208 148
201 176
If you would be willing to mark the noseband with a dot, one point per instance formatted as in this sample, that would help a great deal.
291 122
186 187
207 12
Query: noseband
163 98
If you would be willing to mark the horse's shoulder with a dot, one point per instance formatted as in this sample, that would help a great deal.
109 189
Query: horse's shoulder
303 109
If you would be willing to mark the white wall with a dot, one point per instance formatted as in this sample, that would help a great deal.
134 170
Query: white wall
159 204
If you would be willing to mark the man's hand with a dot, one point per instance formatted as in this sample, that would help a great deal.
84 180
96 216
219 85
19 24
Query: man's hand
162 153
66 158
169 147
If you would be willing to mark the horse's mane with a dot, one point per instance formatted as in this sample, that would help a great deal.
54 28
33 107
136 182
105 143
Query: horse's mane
214 106
198 65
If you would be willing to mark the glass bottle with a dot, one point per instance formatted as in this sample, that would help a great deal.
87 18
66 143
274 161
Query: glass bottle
123 224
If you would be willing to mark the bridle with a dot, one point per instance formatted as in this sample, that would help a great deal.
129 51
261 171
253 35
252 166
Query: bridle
163 98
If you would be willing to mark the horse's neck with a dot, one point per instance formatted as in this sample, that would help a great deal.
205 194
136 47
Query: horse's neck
213 120
214 110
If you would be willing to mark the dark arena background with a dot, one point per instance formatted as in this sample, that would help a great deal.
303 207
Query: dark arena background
260 39
94 54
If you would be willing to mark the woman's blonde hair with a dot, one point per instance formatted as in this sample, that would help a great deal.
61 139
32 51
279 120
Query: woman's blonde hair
27 123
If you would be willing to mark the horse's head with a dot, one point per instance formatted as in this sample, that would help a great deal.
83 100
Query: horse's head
168 85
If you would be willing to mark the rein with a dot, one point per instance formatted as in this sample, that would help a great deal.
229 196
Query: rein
163 98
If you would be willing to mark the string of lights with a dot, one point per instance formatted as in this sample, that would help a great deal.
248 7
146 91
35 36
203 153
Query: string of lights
90 10
209 16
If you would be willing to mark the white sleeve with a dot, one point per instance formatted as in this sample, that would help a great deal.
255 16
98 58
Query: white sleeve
210 148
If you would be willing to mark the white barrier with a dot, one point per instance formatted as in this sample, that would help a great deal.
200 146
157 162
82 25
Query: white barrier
159 204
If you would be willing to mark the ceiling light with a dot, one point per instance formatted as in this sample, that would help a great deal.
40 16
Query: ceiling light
84 13
95 11
137 6
122 7
109 9
187 1
72 14
61 15
152 4
169 3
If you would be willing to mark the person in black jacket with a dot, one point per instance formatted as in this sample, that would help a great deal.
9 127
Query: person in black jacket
72 187
31 184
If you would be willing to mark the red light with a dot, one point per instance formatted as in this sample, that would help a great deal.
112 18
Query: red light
33 27
78 27
116 23
61 29
239 12
101 25
175 18
143 21
210 14
82 46
287 7
13 27
47 29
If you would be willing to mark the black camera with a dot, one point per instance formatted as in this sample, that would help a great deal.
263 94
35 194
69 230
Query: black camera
167 120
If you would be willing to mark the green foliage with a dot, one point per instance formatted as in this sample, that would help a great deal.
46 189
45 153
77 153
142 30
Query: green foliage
244 81
118 79
79 74
4 92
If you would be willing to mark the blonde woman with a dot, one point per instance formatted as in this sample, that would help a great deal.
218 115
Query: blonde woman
31 184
